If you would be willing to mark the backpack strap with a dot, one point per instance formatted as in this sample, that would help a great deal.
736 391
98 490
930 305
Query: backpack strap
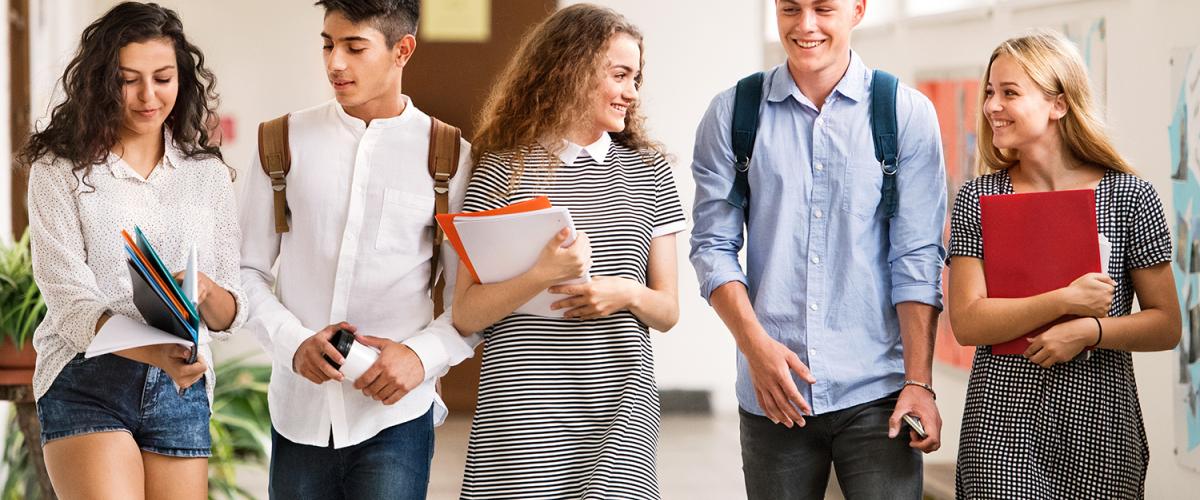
443 164
276 160
746 101
884 130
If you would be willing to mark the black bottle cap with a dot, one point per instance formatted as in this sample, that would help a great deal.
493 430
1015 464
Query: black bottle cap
341 340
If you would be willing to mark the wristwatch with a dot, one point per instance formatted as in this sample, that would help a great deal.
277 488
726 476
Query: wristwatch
922 385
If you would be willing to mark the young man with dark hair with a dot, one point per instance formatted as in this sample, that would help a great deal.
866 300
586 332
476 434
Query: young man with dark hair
836 312
355 250
394 18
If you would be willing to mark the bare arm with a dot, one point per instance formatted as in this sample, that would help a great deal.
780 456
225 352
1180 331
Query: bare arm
656 303
217 305
478 306
980 320
1156 327
918 331
217 308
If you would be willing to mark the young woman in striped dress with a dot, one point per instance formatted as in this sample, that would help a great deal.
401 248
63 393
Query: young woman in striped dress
568 407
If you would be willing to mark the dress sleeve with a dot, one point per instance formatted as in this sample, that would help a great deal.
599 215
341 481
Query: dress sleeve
489 185
668 211
966 231
1149 239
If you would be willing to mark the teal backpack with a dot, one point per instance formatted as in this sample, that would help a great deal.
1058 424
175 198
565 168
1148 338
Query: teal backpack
746 101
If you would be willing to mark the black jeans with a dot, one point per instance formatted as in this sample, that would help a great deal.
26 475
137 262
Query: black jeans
784 464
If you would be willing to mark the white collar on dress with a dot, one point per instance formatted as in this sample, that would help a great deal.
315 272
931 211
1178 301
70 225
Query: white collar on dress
597 150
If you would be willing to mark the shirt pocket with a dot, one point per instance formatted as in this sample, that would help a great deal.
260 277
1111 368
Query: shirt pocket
403 220
861 187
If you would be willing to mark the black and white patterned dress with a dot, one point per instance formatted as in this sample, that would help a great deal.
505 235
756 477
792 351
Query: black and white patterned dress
569 408
1074 430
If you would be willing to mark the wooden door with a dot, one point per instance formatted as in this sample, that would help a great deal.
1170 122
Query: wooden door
19 106
450 80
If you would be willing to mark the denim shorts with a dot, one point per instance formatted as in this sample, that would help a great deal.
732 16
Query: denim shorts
110 393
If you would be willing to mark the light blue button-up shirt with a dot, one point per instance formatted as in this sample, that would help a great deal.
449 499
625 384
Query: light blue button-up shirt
825 268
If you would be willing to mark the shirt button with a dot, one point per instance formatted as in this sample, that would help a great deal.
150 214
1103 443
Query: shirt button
812 352
820 122
817 213
813 307
820 167
816 260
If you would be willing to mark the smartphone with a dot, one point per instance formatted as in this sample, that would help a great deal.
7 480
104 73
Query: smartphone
914 422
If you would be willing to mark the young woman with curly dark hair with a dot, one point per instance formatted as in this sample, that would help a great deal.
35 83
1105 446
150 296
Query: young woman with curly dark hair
128 146
568 406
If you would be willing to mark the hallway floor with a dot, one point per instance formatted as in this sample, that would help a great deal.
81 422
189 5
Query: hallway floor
698 459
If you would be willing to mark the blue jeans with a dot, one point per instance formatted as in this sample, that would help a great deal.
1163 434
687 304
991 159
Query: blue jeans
392 464
782 464
110 393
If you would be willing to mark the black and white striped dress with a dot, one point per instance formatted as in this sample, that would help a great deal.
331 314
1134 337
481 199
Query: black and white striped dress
569 408
1074 430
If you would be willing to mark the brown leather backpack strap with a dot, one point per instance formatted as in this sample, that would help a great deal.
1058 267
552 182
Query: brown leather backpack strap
443 164
276 160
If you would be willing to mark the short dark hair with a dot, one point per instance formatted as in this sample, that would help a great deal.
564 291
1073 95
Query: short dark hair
393 18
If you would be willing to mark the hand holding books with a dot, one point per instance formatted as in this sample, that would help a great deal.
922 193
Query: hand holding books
501 244
564 260
171 316
1089 295
1027 253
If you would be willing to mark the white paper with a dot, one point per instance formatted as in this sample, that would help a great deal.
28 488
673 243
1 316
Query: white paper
120 333
1105 254
503 247
190 281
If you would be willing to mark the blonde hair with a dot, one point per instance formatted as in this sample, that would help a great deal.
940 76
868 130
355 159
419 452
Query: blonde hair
551 78
1055 66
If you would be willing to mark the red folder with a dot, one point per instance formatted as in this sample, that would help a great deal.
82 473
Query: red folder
1034 243
447 223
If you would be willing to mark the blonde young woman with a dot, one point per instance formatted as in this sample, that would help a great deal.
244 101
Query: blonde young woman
1047 425
568 406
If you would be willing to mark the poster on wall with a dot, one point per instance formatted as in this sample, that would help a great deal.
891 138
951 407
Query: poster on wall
1091 36
1184 133
955 97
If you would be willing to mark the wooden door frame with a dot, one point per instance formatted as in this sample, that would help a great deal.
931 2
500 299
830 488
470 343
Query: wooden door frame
19 107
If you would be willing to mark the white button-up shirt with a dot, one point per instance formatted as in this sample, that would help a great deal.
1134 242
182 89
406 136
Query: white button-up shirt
359 250
79 254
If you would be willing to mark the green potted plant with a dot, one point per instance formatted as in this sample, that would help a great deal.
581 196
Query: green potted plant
21 310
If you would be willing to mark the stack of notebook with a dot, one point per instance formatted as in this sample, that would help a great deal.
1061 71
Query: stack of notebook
163 305
501 244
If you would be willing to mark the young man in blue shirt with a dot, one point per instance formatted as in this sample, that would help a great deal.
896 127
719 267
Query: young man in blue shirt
836 314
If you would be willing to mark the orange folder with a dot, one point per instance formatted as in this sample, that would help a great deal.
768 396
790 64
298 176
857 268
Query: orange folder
447 223
157 279
1034 243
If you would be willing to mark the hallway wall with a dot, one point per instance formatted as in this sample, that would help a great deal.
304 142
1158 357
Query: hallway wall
267 59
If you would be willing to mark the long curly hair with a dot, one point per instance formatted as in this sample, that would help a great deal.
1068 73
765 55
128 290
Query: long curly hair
84 127
1056 67
553 75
